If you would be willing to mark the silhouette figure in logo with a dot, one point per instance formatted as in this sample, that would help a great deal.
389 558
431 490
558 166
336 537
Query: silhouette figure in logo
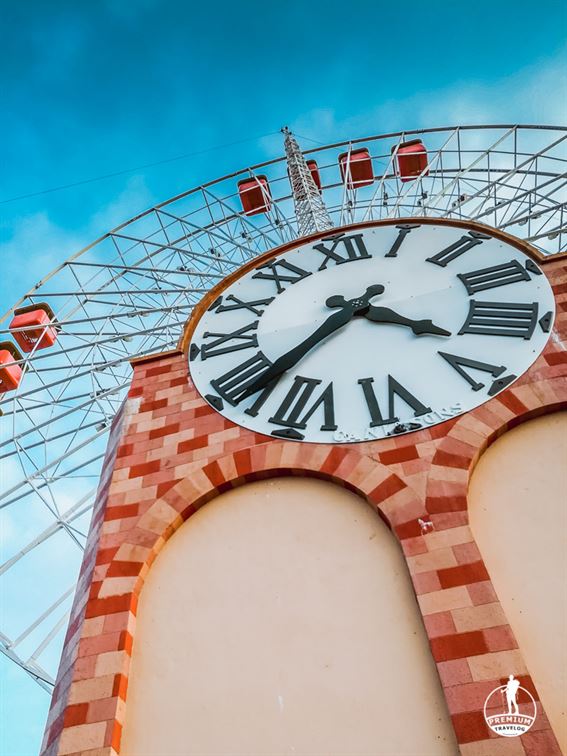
511 692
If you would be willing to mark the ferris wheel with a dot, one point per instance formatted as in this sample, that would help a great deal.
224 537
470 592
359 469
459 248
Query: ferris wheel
66 346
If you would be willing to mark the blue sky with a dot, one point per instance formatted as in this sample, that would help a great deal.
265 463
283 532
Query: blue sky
101 86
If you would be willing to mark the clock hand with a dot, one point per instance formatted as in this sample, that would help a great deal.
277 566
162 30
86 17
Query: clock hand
419 327
348 309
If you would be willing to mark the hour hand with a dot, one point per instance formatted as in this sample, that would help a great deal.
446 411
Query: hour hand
288 360
420 327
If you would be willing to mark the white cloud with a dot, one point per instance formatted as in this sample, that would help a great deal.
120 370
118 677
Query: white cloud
37 237
537 94
133 199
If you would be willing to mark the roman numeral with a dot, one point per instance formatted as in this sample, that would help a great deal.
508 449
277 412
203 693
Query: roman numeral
232 384
253 306
457 249
459 364
352 246
294 411
280 271
404 230
241 337
490 278
501 319
395 389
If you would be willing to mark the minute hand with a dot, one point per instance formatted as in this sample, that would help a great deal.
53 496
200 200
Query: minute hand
289 359
419 327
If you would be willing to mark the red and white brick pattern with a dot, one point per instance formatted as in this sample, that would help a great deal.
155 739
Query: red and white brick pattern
169 453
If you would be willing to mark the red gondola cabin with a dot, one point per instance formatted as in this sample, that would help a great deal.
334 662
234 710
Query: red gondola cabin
36 319
358 164
255 195
10 374
412 159
314 169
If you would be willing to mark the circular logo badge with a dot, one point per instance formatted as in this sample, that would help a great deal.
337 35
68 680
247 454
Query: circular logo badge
510 710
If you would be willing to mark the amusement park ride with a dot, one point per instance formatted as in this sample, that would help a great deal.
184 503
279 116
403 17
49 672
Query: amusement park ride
66 345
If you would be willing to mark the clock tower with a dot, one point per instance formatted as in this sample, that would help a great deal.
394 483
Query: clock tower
282 557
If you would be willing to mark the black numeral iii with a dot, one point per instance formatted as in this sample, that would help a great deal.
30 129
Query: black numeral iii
490 278
501 319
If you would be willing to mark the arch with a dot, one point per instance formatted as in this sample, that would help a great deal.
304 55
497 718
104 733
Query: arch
395 502
284 590
519 521
119 577
459 451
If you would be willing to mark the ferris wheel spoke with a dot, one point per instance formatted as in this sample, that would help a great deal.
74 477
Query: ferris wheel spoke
522 167
535 200
519 194
74 512
187 252
47 424
478 159
79 374
41 677
55 437
529 195
42 617
137 269
60 624
41 471
221 233
87 345
30 483
556 230
244 220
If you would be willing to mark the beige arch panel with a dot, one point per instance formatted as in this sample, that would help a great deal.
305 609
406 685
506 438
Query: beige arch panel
518 512
280 619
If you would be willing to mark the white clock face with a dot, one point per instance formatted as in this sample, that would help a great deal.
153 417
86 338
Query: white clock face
372 332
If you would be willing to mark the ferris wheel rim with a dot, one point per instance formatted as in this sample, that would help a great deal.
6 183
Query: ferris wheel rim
254 168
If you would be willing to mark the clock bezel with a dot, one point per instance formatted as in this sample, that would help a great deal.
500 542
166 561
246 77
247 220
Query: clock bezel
216 291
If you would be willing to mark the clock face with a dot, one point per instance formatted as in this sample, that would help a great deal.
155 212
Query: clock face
370 332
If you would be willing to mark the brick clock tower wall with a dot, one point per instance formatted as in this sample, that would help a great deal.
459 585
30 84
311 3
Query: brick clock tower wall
170 453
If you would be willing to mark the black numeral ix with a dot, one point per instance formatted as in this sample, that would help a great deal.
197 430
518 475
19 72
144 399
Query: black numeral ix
241 338
294 412
394 389
239 304
501 319
352 248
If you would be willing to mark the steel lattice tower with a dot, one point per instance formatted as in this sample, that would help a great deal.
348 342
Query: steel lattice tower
310 211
